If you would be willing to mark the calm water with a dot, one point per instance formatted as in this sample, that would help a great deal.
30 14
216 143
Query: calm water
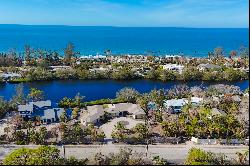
92 40
94 90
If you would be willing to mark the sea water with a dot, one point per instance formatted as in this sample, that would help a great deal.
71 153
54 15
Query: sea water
123 40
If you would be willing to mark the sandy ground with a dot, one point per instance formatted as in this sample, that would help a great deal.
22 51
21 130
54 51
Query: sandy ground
108 127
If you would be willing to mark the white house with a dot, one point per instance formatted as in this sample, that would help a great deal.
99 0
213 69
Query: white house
57 68
173 67
7 76
196 100
175 105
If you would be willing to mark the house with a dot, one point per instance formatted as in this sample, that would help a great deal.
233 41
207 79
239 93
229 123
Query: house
41 109
195 101
123 109
207 66
173 67
93 114
175 105
57 68
8 76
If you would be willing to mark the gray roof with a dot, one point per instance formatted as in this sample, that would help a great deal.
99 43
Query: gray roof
216 111
92 113
130 107
208 66
29 106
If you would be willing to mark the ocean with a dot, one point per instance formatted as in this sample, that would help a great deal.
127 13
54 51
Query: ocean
122 40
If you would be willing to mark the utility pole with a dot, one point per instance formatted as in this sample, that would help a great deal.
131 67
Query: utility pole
63 147
147 139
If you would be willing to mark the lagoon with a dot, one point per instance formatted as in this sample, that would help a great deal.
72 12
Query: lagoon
98 89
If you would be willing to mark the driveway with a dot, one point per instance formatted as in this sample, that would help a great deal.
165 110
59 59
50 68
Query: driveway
109 126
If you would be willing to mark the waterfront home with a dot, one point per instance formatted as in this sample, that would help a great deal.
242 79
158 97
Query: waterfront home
8 76
123 109
173 67
41 109
93 114
175 105
57 68
100 69
207 66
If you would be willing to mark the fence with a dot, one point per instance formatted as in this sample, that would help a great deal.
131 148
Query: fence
219 141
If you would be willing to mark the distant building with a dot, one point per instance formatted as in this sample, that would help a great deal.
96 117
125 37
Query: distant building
196 100
56 68
173 67
41 109
175 105
8 76
207 66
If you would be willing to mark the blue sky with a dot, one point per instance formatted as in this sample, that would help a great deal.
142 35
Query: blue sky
162 13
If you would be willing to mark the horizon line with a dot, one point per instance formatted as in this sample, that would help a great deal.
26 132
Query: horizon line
114 26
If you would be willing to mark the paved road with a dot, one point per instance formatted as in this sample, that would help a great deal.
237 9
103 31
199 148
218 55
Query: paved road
173 153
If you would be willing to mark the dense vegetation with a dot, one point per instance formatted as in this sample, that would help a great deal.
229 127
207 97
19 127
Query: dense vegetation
201 157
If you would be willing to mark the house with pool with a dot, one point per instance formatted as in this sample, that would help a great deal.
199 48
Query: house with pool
176 105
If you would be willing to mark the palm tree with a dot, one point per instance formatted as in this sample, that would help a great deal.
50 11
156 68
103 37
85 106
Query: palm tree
7 130
143 102
55 131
